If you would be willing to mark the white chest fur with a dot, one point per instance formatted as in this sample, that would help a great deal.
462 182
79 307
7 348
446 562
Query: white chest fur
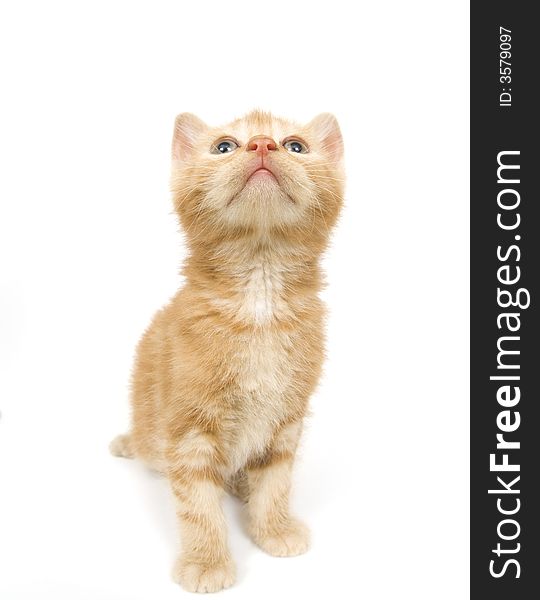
262 293
258 293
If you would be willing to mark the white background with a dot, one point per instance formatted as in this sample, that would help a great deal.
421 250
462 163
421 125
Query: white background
89 249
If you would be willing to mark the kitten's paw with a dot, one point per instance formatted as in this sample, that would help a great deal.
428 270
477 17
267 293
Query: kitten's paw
290 540
204 577
122 446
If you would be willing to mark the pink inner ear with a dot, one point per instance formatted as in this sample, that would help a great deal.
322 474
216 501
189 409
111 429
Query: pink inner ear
183 142
187 129
334 145
329 133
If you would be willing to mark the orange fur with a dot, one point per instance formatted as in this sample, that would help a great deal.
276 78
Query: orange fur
223 374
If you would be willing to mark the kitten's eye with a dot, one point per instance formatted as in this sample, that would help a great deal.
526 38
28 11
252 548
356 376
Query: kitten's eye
295 146
224 146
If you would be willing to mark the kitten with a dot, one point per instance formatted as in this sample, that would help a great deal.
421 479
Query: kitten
223 374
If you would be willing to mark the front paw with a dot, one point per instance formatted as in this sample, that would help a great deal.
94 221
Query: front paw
204 577
290 539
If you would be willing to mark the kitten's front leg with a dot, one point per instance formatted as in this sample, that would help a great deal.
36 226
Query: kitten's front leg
205 564
270 524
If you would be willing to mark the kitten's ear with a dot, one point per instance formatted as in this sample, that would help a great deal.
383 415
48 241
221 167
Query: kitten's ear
187 129
326 128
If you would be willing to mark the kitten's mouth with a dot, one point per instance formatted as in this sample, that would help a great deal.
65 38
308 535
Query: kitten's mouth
262 173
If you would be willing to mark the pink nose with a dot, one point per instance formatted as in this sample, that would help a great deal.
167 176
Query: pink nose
261 144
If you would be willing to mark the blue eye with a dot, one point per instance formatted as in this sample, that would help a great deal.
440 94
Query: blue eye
295 146
224 146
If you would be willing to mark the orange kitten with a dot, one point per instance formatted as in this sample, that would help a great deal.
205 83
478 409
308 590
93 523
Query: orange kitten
223 375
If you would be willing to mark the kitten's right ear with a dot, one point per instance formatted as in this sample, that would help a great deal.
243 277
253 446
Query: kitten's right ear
187 129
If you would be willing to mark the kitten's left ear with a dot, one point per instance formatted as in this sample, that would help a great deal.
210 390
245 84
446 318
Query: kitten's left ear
326 128
187 130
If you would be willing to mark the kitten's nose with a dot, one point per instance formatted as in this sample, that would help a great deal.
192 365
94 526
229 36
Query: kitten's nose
261 144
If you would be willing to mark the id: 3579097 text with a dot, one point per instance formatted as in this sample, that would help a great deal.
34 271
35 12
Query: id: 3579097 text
505 66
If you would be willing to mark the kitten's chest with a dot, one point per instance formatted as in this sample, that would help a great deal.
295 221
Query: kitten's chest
262 364
264 376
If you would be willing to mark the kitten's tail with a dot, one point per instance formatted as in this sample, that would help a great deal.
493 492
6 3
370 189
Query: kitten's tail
122 446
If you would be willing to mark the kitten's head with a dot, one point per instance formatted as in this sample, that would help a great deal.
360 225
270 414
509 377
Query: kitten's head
259 174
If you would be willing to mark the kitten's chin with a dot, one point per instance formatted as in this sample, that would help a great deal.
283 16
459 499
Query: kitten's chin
262 203
260 189
262 182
